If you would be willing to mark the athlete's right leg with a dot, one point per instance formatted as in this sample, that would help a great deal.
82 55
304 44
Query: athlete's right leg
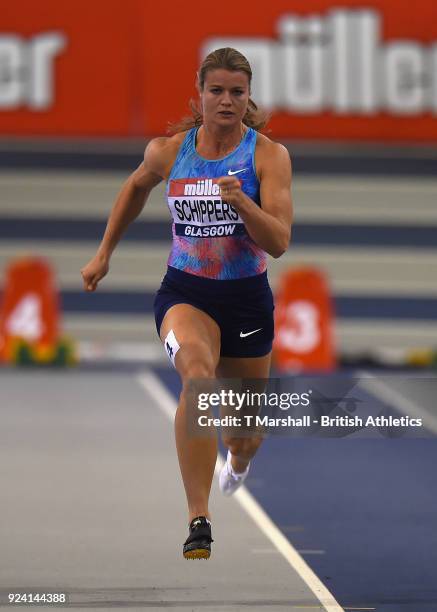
198 337
243 443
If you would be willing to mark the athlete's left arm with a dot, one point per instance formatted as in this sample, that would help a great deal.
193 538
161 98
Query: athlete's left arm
269 225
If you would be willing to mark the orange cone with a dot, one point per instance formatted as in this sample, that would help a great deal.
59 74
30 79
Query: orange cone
30 307
304 322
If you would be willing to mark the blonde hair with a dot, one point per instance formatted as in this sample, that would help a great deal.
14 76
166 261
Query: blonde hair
228 59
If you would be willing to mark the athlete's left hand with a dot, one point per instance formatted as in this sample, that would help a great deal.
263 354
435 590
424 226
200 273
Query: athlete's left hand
230 190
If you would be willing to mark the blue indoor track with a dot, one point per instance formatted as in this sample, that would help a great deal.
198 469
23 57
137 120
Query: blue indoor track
362 511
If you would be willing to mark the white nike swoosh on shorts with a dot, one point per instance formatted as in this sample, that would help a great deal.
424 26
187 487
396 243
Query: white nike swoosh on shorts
243 335
232 172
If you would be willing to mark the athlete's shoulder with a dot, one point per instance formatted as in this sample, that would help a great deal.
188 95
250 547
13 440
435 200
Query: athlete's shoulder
268 152
161 152
266 146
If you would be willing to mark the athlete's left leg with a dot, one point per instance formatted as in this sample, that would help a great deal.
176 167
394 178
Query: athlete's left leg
243 448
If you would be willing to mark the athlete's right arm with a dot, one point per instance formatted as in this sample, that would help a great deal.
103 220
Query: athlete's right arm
127 206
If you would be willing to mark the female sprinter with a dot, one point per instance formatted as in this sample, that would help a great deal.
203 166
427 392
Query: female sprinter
228 190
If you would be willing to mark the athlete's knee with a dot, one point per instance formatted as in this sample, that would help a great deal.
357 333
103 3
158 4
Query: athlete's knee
198 366
243 447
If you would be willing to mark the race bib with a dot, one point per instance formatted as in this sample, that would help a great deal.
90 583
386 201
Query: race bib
198 209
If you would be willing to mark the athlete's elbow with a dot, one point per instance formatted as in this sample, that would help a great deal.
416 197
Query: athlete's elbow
278 251
281 247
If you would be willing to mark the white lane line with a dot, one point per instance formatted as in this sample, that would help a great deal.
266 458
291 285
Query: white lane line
264 551
165 400
381 390
152 385
311 551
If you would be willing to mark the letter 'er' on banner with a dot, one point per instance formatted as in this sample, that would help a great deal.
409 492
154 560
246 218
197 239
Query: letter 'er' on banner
304 322
30 306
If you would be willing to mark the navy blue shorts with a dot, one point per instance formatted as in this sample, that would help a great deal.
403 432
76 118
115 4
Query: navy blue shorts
242 308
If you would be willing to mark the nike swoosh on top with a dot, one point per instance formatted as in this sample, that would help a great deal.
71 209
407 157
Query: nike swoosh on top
243 335
231 172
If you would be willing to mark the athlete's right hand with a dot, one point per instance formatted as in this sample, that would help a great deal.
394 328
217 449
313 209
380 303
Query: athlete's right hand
94 271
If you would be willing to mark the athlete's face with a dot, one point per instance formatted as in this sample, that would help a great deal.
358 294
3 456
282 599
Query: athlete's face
225 96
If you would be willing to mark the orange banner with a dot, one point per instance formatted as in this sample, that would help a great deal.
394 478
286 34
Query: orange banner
348 70
71 68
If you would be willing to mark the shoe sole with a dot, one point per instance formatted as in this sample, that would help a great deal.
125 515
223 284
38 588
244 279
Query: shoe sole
197 553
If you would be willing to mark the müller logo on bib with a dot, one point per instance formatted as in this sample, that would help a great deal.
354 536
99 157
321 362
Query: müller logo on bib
198 209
